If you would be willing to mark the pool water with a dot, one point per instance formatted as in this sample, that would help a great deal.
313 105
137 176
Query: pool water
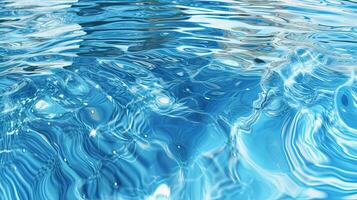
158 99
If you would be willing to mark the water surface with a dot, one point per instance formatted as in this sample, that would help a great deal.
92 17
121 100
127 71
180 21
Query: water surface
180 99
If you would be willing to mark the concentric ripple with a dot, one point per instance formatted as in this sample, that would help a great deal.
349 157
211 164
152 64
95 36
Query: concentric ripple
157 99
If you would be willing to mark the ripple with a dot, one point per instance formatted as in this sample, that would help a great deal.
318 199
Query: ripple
180 99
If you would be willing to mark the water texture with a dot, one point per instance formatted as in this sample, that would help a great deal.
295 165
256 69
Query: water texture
186 100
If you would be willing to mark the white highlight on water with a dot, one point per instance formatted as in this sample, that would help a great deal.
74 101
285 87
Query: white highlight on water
161 193
163 99
93 133
41 104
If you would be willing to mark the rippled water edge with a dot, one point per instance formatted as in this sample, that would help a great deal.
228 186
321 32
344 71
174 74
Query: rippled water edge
178 100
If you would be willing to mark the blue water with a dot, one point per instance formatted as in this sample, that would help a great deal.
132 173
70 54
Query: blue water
182 99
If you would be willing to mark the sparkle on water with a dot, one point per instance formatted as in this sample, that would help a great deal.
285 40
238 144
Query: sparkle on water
163 100
186 99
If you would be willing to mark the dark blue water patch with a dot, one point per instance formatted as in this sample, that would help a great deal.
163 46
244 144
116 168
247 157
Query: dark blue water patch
344 100
345 105
259 61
